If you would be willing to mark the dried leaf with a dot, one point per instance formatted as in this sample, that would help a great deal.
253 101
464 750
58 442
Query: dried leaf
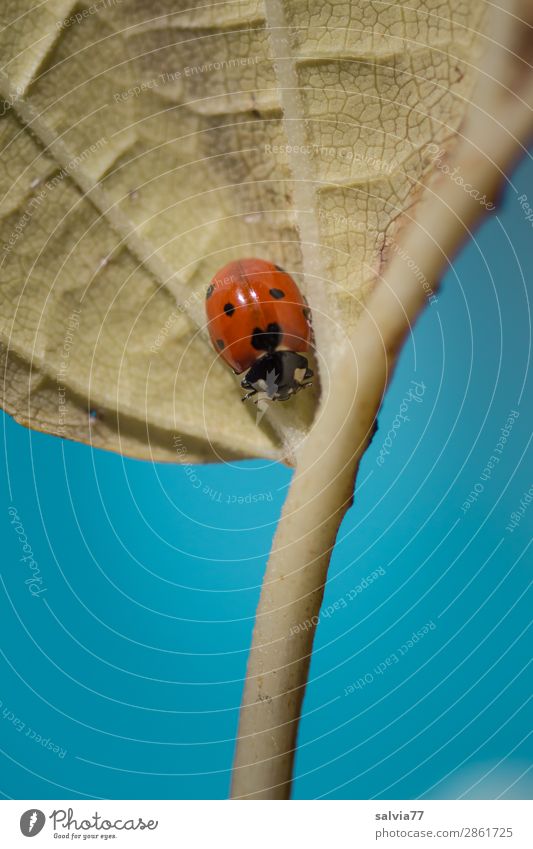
145 145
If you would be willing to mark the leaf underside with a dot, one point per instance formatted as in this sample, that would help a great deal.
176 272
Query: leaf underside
145 145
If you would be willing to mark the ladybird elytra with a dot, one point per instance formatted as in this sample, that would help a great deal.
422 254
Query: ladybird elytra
260 323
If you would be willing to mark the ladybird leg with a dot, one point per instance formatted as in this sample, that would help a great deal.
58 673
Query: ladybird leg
249 394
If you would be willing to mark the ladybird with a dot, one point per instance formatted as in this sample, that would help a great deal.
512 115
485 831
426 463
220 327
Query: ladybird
259 323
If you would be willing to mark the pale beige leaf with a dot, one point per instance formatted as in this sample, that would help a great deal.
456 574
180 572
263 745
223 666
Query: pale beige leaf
144 145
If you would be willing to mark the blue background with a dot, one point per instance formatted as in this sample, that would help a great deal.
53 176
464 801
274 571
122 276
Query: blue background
133 660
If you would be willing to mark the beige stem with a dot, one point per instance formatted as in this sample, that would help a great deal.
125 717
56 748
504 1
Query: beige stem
327 462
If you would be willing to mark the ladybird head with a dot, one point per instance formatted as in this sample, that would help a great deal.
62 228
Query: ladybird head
276 376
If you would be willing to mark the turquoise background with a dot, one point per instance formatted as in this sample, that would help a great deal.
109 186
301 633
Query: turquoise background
133 660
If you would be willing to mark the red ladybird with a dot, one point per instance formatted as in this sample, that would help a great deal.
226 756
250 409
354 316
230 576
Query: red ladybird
258 320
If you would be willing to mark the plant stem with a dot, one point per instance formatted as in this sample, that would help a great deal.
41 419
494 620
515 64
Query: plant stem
319 496
492 137
322 487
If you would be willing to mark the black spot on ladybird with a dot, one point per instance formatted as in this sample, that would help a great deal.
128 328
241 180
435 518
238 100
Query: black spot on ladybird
267 340
277 293
220 344
229 309
210 290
